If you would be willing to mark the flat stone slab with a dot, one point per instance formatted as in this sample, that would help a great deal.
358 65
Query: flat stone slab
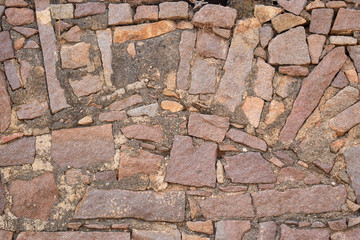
89 9
346 21
174 10
352 167
87 85
189 165
19 16
211 45
145 205
144 132
231 229
18 152
6 47
79 147
317 233
299 201
73 235
5 106
126 102
215 15
351 234
32 110
186 49
166 235
246 139
321 20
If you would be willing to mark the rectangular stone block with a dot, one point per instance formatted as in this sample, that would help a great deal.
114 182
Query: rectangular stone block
18 152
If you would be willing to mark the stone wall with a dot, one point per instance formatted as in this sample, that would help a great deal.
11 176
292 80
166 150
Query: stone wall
151 120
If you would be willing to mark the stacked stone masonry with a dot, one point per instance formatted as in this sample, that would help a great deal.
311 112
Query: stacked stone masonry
154 120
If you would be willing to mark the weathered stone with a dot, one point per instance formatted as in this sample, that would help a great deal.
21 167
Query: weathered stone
252 108
266 13
74 235
208 127
143 132
79 147
231 229
143 31
174 10
338 225
62 11
267 231
203 78
316 44
185 236
352 165
238 63
34 198
31 110
89 84
120 14
74 34
62 26
246 139
3 201
299 200
6 235
259 52
227 206
190 165
286 21
5 104
18 152
352 234
138 162
228 148
315 4
148 110
112 116
210 45
6 48
263 82
49 50
289 48
353 221
249 167
27 32
342 40
290 174
326 167
75 56
354 52
19 16
336 4
16 3
216 16
352 76
224 33
184 25
13 74
289 233
347 119
145 205
104 39
172 106
293 6
89 9
107 176
309 97
186 49
276 162
321 20
75 176
126 102
296 71
153 235
87 120
347 21
146 13
31 45
201 227
266 34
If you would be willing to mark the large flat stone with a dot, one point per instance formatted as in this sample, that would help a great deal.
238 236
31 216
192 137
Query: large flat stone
299 200
238 63
215 15
203 78
79 147
5 104
231 229
74 235
19 16
32 110
143 132
317 233
321 20
6 47
352 167
309 97
87 85
190 165
174 10
89 9
211 45
145 205
208 127
18 152
246 139
293 6
249 167
346 22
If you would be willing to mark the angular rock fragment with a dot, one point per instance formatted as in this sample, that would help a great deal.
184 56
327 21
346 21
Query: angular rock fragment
266 13
152 235
143 132
293 6
120 14
89 9
19 16
104 39
18 152
316 43
89 84
6 48
246 139
266 34
346 22
74 235
146 13
211 45
13 74
215 15
174 10
263 81
347 119
148 110
342 40
27 32
288 233
186 49
352 166
252 108
321 20
126 102
172 106
231 229
354 52
112 116
74 34
276 108
32 110
286 21
295 71
75 56
16 3
203 78
201 226
5 104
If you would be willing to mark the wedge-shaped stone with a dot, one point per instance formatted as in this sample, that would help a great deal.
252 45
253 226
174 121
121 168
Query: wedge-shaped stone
104 39
347 119
263 82
316 44
126 102
79 147
6 47
299 200
246 139
249 167
321 20
317 233
143 132
189 165
216 16
143 31
347 21
145 205
89 9
266 13
228 206
309 97
73 235
286 21
5 104
18 152
293 6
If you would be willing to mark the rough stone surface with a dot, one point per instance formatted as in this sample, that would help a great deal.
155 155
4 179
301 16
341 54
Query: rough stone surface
172 106
6 235
3 201
231 229
346 21
352 167
146 13
18 152
126 102
120 14
210 45
112 116
74 235
148 110
267 231
306 200
266 13
293 6
246 139
34 198
186 49
190 165
16 3
75 56
13 74
32 110
263 81
321 20
74 34
203 78
352 234
296 71
201 226
354 52
19 16
146 205
5 104
289 233
152 235
89 84
249 168
6 48
342 40
286 21
316 43
347 119
104 39
79 147
290 174
89 9
174 10
266 34
215 15
252 108
208 127
27 32
144 132
62 11
276 108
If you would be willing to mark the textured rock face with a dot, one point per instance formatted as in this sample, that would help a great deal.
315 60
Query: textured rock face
352 166
263 82
73 235
186 49
246 139
18 152
147 205
288 233
75 56
5 104
215 15
231 229
210 45
266 13
346 119
88 9
321 20
19 16
143 234
6 48
143 132
346 21
293 6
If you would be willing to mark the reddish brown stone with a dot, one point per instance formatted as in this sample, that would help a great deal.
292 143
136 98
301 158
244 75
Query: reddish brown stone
75 176
96 226
242 188
228 148
126 102
146 13
87 85
299 200
2 200
31 45
35 198
191 165
13 74
231 229
9 138
267 231
143 132
210 45
19 43
19 16
75 56
352 234
347 119
266 13
296 71
309 97
120 14
215 15
246 139
74 235
321 20
18 152
107 176
6 48
293 6
352 167
200 226
27 32
5 104
249 167
263 82
79 147
89 9
286 21
284 156
145 205
354 52
186 49
153 235
6 235
174 10
16 3
32 110
208 127
120 226
316 44
203 78
112 116
290 174
74 34
228 206
137 162
224 33
289 233
185 236
347 21
338 225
